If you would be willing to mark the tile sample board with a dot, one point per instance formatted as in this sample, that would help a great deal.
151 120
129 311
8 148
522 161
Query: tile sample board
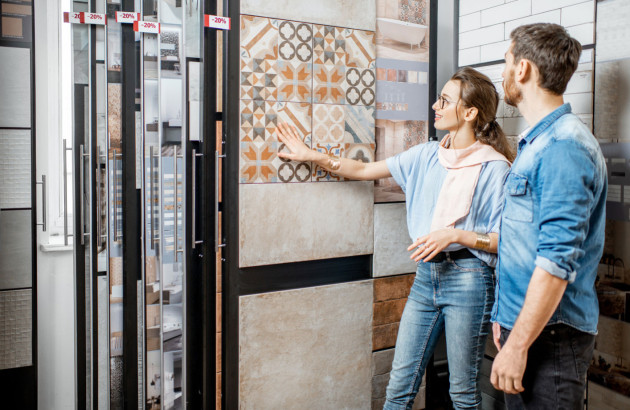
15 168
315 355
16 262
281 223
391 239
15 83
347 13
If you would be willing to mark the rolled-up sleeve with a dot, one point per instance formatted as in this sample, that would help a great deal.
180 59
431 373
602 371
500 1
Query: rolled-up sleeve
566 189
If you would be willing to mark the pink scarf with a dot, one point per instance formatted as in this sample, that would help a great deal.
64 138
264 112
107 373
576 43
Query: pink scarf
464 167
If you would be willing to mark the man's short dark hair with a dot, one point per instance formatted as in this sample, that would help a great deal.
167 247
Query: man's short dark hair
550 47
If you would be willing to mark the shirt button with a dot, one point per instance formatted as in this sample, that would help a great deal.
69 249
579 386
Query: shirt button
553 332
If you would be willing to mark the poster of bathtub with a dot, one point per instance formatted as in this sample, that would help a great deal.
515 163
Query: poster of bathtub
402 83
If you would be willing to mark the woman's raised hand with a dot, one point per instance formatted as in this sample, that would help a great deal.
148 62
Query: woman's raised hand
289 136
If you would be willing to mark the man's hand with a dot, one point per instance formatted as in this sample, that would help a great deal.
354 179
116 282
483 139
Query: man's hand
508 369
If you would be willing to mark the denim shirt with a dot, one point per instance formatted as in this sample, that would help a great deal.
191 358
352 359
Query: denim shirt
553 218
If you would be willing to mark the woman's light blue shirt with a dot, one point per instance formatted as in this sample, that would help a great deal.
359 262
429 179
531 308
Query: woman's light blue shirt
420 175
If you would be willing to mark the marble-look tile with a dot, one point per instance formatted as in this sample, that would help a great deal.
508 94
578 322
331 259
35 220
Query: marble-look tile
15 168
391 239
15 83
344 13
326 210
330 343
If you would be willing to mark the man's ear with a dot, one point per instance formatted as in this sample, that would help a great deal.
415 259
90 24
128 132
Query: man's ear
524 70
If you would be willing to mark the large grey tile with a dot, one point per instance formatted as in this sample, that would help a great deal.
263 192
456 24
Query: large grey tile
306 348
15 168
16 269
391 239
282 223
15 83
612 30
16 330
343 13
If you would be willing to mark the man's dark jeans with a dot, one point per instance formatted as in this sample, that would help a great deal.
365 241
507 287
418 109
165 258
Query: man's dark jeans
555 376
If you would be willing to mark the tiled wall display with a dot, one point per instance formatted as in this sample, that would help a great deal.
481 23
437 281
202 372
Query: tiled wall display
485 25
315 355
282 223
347 13
391 239
381 367
320 79
16 330
402 66
15 168
579 94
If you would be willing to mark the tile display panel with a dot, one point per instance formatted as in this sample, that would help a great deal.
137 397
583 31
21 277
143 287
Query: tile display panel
16 269
15 168
15 83
16 330
16 21
281 223
308 75
333 12
331 344
391 239
402 83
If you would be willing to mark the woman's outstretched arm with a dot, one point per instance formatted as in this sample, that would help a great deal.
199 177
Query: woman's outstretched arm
345 167
430 245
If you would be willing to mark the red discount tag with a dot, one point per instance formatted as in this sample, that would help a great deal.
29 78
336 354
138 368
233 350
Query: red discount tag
73 17
146 27
127 17
95 18
222 23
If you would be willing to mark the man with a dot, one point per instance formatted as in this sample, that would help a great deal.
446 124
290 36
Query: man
552 231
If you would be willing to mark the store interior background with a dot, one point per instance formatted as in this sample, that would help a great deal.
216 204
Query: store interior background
272 337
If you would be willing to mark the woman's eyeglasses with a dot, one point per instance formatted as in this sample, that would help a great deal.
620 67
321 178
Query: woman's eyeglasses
441 102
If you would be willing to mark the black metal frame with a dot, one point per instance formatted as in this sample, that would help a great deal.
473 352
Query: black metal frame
19 385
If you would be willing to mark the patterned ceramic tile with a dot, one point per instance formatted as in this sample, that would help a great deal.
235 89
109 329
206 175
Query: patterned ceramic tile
295 41
259 37
360 48
259 142
328 83
328 123
359 152
294 81
320 174
359 124
329 45
360 86
259 79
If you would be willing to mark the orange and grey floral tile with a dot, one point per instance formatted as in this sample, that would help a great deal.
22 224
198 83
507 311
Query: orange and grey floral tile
295 41
294 81
260 163
360 48
360 85
329 84
259 37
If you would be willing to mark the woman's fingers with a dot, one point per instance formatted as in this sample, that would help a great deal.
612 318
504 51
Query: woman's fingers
431 255
418 242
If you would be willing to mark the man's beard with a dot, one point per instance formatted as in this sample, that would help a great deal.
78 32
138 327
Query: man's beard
513 95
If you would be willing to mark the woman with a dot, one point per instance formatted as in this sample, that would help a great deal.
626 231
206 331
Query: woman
454 193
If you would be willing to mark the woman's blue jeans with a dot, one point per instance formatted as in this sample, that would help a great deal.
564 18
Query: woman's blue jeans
456 297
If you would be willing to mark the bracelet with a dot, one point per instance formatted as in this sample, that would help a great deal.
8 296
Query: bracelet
333 163
483 242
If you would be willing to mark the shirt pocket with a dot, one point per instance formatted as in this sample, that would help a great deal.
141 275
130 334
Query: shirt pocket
518 199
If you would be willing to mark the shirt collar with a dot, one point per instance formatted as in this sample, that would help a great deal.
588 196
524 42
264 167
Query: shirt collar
543 124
